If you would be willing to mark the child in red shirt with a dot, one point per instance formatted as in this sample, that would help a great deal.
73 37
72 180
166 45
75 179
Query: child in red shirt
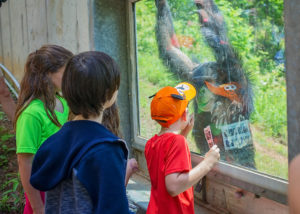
168 155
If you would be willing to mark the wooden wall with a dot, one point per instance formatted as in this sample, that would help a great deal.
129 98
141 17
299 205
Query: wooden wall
78 25
25 25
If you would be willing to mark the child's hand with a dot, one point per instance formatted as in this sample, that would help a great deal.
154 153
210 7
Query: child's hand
132 166
189 126
191 122
212 156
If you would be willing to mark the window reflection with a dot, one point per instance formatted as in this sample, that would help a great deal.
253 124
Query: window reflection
233 52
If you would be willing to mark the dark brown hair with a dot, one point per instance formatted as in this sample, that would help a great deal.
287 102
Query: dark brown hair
36 83
91 78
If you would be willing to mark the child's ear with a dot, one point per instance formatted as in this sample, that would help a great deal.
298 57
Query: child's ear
184 115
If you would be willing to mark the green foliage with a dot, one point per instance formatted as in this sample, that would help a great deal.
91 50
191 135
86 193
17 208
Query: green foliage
255 30
5 150
271 166
258 9
152 70
10 188
10 199
270 104
145 25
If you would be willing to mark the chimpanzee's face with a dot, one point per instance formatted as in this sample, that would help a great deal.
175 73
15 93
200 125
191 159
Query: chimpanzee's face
205 100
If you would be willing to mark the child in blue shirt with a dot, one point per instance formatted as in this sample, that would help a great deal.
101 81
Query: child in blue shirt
85 173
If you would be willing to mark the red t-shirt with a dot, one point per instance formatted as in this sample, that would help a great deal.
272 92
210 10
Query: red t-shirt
166 154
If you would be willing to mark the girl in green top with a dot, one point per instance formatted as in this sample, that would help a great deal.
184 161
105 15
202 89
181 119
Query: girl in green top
40 112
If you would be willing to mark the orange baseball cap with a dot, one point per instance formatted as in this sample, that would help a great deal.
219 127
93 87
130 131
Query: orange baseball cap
169 103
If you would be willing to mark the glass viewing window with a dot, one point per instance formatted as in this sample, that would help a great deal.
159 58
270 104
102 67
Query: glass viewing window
233 53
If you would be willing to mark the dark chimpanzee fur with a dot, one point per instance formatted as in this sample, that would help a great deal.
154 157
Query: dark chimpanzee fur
227 69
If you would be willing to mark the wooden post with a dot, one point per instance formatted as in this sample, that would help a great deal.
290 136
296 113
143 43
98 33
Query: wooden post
292 50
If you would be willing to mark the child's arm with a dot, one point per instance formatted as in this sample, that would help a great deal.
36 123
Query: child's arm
132 167
25 165
177 183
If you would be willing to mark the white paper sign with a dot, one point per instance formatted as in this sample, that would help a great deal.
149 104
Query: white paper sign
236 135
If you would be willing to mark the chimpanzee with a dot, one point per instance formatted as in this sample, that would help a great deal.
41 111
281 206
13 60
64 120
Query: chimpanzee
224 99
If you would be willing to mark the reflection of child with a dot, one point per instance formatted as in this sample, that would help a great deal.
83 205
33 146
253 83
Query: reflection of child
85 173
168 155
40 112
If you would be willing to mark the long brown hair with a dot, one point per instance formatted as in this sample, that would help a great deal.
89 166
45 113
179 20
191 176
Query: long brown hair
36 83
111 120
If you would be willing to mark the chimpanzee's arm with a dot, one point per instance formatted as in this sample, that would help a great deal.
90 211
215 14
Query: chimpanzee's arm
230 67
213 28
168 46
